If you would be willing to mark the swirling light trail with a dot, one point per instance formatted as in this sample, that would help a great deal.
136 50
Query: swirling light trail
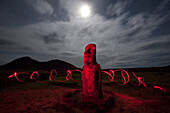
110 73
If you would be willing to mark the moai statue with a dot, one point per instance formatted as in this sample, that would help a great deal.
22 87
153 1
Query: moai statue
91 74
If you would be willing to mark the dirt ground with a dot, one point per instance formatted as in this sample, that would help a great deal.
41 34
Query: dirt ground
50 101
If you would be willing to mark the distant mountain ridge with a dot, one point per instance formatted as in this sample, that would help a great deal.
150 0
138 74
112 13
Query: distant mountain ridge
27 63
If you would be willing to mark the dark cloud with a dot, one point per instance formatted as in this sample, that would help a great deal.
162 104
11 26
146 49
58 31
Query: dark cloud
16 13
140 6
5 42
127 33
153 46
68 54
129 58
53 38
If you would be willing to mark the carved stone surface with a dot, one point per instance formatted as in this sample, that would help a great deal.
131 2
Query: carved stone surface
91 74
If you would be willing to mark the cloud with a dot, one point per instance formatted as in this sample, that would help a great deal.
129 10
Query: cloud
116 9
153 46
41 6
6 42
53 38
123 39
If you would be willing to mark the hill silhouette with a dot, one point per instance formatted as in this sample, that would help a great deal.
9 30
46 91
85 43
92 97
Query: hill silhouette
27 63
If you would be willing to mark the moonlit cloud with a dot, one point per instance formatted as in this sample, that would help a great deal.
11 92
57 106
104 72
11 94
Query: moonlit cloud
123 39
41 6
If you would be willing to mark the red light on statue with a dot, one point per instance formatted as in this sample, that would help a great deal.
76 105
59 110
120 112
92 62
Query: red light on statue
91 74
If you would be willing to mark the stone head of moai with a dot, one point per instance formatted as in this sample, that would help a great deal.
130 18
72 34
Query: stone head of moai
91 73
90 54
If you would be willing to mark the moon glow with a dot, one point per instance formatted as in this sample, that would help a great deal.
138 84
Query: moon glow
85 11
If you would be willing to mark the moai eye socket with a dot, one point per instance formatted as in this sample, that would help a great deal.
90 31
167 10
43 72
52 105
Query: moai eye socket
89 51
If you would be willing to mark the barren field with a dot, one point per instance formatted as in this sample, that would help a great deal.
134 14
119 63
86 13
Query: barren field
47 97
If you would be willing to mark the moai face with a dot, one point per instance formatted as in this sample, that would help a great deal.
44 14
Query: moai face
90 54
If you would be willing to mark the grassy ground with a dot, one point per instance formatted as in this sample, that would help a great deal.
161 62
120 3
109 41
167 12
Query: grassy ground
32 96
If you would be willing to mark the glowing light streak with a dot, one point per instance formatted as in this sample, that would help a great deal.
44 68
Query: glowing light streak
33 77
163 89
140 79
110 73
68 77
125 77
15 75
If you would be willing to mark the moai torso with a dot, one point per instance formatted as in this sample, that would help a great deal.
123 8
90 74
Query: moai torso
91 73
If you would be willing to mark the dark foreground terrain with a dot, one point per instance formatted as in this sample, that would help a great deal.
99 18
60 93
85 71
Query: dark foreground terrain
34 97
48 99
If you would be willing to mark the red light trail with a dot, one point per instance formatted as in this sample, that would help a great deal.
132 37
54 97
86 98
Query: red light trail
111 75
125 77
163 89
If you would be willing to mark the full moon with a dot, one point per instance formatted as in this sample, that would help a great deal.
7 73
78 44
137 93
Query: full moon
85 11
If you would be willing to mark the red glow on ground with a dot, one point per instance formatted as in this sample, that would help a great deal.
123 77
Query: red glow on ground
132 101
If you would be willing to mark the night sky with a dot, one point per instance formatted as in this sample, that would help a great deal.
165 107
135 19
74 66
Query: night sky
128 33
